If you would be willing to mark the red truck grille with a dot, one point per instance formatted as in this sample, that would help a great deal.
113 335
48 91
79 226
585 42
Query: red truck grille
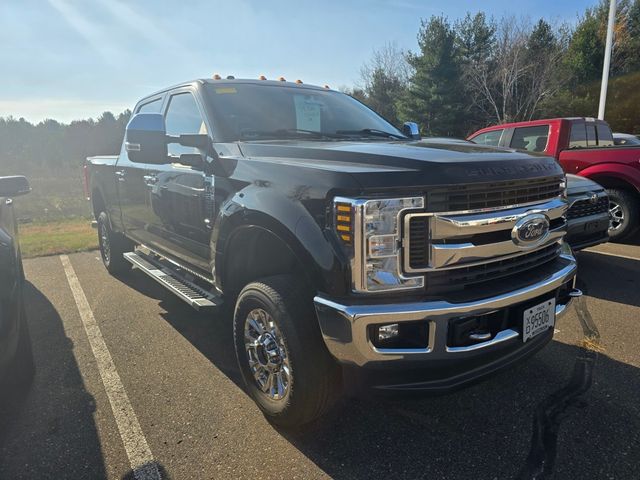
493 195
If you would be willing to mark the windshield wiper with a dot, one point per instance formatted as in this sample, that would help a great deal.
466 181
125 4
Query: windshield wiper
286 132
372 132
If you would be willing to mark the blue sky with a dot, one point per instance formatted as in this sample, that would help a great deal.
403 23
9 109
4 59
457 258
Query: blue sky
69 59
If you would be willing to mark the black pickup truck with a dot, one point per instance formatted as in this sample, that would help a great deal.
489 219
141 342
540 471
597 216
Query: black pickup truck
16 359
352 254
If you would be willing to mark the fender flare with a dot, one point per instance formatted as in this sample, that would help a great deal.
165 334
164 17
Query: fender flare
285 218
625 173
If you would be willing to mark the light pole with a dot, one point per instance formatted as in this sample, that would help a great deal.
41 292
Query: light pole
607 59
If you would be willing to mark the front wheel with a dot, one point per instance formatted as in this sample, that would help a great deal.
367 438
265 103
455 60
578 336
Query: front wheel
624 213
284 363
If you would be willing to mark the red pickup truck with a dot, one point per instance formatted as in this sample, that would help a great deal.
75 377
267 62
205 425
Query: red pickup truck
583 146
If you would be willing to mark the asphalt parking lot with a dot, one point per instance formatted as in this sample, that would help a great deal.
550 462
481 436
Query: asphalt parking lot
186 414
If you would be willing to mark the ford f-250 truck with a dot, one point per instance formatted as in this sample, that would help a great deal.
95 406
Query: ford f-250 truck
583 146
351 253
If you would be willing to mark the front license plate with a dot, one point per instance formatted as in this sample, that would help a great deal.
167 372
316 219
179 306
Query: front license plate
538 319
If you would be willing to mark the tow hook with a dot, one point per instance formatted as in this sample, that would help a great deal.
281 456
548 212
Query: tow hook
575 293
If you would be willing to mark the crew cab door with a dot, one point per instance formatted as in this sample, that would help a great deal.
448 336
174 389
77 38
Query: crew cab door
179 195
130 182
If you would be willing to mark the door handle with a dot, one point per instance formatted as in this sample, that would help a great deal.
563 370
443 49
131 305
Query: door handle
120 174
150 180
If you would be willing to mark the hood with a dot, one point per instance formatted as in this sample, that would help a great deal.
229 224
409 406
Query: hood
577 184
384 164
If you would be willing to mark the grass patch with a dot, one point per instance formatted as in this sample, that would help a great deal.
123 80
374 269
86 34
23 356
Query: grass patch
54 238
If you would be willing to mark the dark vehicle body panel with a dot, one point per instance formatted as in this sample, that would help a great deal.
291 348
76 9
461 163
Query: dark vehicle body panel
11 285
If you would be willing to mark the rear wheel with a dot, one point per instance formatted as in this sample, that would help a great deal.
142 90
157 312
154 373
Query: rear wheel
624 212
112 246
284 363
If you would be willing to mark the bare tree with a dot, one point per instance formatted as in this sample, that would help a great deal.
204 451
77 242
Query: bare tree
383 80
389 59
519 74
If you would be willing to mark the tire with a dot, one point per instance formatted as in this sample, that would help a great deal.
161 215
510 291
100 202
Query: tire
22 366
112 246
624 208
290 349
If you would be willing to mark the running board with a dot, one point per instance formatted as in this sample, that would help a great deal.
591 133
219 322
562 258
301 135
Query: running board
173 281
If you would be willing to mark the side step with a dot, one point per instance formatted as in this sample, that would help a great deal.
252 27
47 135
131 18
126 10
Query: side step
173 281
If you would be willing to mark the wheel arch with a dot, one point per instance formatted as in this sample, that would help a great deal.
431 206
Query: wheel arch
251 244
614 176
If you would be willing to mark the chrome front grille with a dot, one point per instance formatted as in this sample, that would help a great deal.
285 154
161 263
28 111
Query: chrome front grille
459 198
469 248
468 276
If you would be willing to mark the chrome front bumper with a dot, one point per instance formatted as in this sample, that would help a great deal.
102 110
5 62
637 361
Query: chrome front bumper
345 327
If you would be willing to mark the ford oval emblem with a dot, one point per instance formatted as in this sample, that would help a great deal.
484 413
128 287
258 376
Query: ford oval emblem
531 230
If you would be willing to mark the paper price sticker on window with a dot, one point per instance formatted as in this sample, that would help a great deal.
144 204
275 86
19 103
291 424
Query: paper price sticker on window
223 90
308 113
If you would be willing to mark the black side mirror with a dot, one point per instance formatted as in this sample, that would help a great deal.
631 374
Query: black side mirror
146 139
411 130
14 186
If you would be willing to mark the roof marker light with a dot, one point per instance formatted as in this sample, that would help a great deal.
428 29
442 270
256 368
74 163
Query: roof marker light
230 77
299 82
282 79
326 86
262 77
216 76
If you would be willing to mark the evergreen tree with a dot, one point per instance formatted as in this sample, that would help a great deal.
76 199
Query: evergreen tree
435 97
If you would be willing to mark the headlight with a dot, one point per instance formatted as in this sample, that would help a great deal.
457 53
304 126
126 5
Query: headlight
370 229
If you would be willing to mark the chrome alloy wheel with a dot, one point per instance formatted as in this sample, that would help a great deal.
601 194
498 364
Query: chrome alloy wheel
104 243
616 216
267 354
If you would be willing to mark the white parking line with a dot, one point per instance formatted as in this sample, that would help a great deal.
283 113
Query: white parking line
612 254
140 457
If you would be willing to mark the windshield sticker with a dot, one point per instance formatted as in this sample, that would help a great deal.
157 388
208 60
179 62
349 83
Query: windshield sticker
223 90
307 113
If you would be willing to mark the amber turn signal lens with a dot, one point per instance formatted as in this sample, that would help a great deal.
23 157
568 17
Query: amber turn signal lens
344 222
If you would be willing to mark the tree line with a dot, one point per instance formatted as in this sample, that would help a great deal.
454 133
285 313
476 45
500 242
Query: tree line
51 148
479 71
465 74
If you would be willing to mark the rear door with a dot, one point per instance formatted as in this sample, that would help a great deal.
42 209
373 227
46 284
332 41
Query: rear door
130 180
177 192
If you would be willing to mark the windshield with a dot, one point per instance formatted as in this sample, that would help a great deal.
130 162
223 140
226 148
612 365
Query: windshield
259 112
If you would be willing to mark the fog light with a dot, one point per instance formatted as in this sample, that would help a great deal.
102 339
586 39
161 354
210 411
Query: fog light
388 332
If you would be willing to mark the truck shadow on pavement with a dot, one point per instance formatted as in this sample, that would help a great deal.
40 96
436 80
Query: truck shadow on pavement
483 431
49 431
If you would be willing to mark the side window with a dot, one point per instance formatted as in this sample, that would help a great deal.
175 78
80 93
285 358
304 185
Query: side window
578 136
605 137
532 139
591 135
489 138
183 117
153 106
